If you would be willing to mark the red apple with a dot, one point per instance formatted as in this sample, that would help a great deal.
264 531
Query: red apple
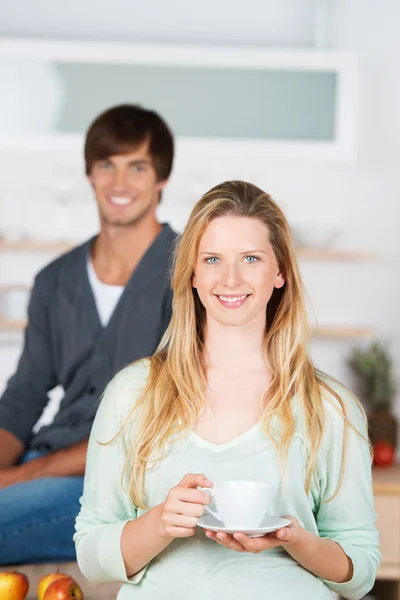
63 589
13 585
46 580
384 454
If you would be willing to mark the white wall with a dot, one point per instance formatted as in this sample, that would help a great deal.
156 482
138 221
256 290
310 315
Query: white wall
287 22
362 199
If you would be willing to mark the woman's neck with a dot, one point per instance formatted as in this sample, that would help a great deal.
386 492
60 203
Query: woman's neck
235 348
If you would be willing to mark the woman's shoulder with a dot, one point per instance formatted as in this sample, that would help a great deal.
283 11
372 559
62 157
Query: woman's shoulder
131 378
122 392
339 403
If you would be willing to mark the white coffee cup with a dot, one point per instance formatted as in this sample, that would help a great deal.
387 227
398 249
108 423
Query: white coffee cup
241 504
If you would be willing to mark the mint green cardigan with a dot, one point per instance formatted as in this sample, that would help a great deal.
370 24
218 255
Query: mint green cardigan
197 567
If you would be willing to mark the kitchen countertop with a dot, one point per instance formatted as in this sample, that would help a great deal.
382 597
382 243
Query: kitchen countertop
386 480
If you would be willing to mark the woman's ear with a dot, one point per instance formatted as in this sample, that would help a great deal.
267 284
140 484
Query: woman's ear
279 281
194 281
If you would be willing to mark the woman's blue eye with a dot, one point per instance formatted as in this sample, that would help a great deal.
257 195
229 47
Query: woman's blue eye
213 260
137 168
251 259
105 165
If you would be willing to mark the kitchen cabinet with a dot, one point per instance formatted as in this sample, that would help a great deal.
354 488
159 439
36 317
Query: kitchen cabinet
386 482
222 102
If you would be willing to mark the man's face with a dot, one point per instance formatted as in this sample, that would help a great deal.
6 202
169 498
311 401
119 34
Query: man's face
126 187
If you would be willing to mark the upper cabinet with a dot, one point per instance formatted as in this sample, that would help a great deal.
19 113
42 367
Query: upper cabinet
232 102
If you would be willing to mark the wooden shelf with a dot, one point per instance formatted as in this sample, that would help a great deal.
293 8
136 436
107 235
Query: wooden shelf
35 246
386 480
330 254
5 324
321 332
388 572
342 332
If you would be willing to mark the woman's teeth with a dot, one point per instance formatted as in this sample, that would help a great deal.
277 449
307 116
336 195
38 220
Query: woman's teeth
232 299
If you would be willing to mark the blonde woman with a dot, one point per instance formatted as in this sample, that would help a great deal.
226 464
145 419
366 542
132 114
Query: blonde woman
231 394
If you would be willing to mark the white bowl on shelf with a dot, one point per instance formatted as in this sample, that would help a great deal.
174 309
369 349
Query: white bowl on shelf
14 302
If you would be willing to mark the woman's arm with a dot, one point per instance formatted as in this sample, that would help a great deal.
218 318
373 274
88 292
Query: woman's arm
142 539
112 543
145 537
106 508
322 557
348 518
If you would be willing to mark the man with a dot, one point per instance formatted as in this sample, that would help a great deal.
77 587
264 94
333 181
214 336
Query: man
92 311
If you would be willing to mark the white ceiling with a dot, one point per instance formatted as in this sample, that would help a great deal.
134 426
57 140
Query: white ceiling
272 22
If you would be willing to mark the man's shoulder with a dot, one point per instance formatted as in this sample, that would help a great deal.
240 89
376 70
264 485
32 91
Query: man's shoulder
68 261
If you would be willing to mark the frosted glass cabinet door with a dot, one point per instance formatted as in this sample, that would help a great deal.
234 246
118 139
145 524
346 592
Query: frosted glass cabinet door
201 102
290 100
197 102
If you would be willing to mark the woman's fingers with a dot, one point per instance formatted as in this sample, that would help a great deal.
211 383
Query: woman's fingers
257 545
191 495
226 540
180 532
242 543
184 504
193 480
175 520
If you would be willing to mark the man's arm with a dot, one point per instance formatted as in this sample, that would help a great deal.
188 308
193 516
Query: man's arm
68 462
25 396
11 449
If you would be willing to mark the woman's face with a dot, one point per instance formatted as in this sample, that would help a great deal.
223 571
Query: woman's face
236 270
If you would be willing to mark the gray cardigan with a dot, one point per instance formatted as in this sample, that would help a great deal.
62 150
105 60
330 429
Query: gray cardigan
65 343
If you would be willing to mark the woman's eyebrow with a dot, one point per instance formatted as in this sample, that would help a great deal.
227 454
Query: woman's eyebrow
246 252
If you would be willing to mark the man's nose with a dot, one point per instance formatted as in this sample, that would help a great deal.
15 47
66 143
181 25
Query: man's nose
120 180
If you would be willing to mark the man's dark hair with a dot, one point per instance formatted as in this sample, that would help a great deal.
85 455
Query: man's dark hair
121 129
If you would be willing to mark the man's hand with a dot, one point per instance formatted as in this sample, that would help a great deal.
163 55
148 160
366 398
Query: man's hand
11 449
10 477
68 462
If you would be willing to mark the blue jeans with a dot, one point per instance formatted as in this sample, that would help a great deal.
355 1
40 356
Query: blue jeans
37 519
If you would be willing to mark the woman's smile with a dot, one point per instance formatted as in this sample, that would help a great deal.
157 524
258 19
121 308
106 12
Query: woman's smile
232 301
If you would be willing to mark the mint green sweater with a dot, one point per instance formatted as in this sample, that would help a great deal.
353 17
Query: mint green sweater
197 567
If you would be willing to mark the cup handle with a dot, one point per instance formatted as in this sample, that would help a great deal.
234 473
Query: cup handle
210 492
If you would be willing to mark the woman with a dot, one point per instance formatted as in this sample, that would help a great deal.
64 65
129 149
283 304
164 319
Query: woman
231 393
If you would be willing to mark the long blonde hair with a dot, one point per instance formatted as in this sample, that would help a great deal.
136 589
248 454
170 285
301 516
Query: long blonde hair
174 394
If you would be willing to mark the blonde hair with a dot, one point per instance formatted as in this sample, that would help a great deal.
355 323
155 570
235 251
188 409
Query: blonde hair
174 394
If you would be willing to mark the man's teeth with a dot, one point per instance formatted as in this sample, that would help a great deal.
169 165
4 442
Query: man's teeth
232 299
121 201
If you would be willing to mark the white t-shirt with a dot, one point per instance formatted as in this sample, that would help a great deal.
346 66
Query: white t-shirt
105 295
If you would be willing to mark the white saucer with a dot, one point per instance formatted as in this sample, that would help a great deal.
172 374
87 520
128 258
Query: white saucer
268 525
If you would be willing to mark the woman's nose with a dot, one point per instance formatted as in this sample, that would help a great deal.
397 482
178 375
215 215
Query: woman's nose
232 276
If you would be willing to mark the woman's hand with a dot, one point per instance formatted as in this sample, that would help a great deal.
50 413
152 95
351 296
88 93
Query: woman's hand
286 536
183 505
